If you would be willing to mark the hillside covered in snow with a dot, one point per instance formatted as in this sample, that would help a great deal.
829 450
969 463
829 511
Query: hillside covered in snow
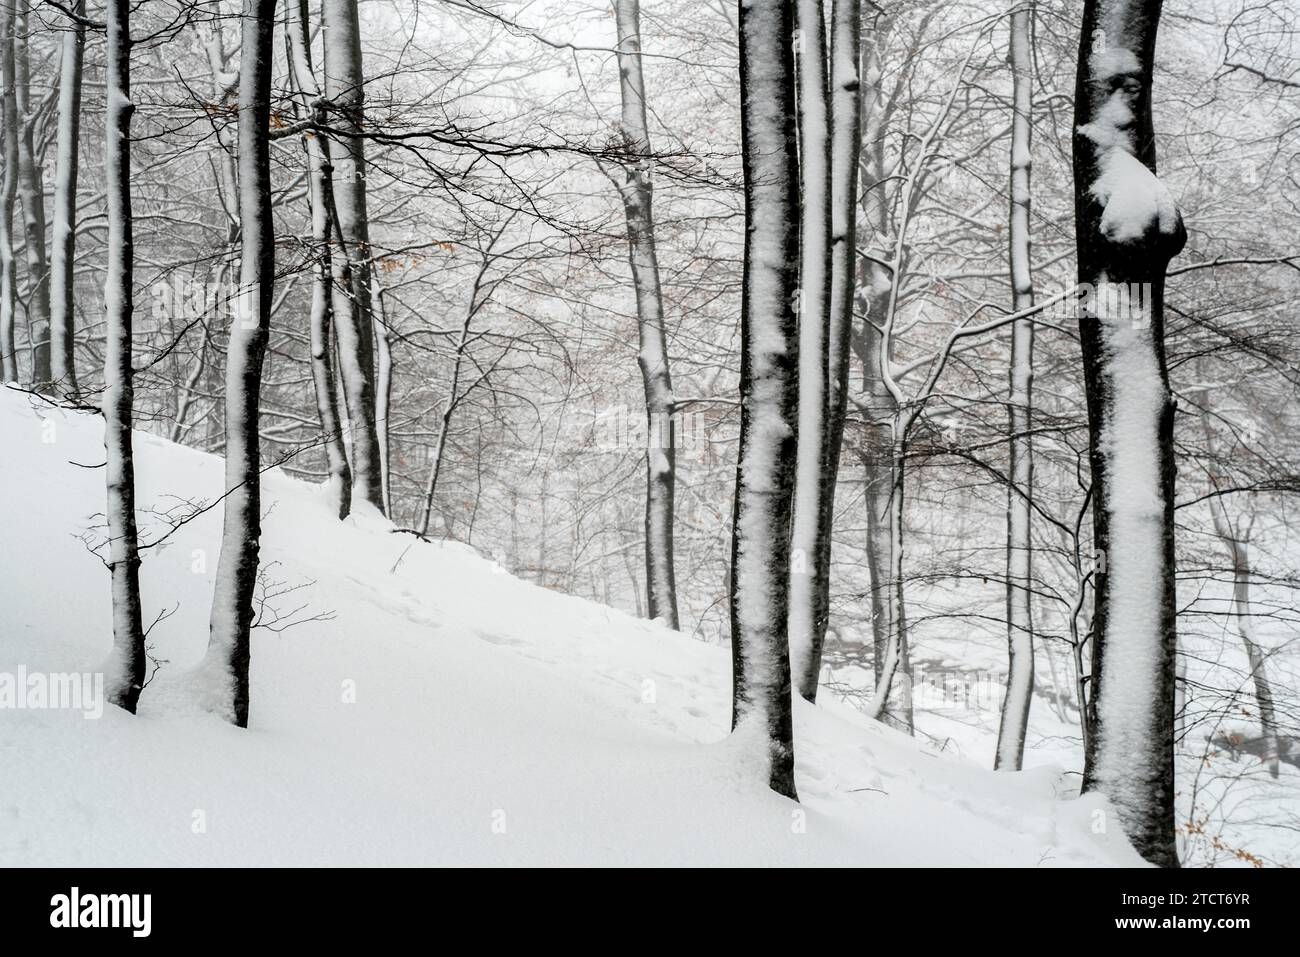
413 703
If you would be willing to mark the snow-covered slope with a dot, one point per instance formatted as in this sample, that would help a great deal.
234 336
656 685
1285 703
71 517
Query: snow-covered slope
428 708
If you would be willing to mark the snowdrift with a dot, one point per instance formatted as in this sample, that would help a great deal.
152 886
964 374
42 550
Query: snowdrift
413 703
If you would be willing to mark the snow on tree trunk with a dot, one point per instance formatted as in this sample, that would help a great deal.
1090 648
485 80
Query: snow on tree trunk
124 674
877 404
1127 230
353 319
383 387
32 191
62 262
811 461
638 194
761 699
846 146
8 191
227 660
321 185
1020 473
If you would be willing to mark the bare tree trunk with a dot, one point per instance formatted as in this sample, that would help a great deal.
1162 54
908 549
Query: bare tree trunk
8 192
320 173
1020 474
353 318
31 188
63 261
1127 230
232 602
761 700
846 147
812 433
125 675
661 439
383 389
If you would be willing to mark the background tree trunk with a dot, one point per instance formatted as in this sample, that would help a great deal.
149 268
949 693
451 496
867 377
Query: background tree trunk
812 457
353 318
661 433
321 182
62 262
31 189
1020 473
8 192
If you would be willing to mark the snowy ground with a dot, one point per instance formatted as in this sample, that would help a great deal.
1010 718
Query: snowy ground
429 708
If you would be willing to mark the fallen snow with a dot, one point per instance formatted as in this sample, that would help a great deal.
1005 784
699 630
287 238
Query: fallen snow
494 722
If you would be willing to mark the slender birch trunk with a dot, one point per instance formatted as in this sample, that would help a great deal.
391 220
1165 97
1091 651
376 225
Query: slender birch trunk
761 702
1010 751
63 261
812 433
8 192
1124 247
228 653
321 184
31 189
125 673
638 193
353 318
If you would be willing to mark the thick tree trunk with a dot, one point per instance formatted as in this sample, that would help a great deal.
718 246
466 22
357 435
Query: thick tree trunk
353 317
125 673
321 182
227 659
1020 473
638 195
761 701
812 433
1128 228
8 191
62 263
31 189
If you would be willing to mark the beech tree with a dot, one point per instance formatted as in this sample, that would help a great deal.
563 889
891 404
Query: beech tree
62 260
1020 625
32 192
354 319
125 675
227 659
637 192
8 192
1127 229
761 704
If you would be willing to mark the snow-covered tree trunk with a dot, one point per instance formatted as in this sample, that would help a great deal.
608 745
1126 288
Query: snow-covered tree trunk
1243 615
31 189
761 700
353 318
846 146
877 404
62 260
812 432
1127 229
652 356
383 387
8 192
227 658
321 185
1020 474
124 675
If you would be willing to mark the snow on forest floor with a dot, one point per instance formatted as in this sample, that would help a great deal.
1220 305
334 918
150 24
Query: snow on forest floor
428 708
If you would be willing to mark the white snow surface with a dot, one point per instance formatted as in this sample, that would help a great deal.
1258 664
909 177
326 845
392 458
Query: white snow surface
494 722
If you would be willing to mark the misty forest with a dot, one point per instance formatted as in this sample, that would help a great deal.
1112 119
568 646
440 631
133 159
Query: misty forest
650 431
